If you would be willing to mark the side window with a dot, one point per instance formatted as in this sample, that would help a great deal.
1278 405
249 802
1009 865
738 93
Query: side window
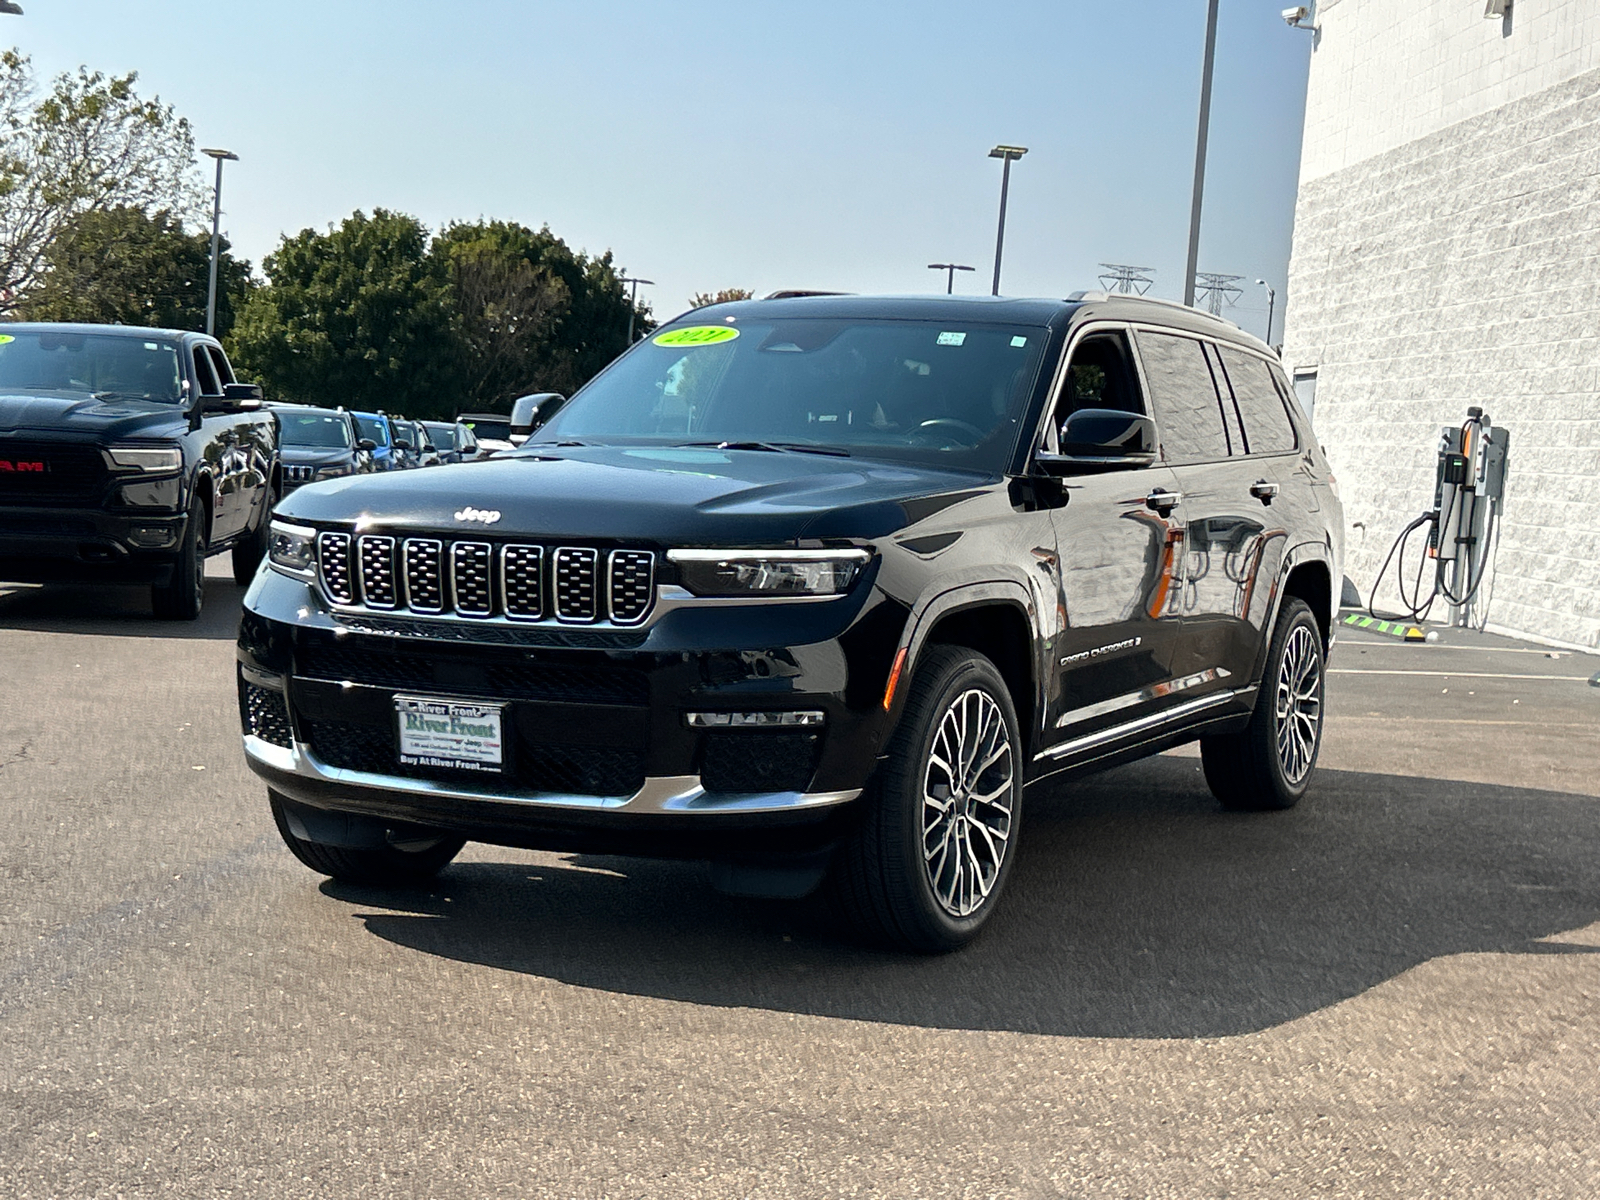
220 362
205 374
1266 423
1100 374
1187 408
1232 422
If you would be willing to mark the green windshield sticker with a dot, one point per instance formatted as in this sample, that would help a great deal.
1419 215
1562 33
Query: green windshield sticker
696 335
1019 341
6 337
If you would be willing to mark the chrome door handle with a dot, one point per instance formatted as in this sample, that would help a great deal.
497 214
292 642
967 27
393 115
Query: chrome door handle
1264 490
1163 501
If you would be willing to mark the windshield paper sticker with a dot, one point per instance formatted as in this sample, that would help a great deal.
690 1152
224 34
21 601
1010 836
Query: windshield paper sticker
697 335
951 339
6 337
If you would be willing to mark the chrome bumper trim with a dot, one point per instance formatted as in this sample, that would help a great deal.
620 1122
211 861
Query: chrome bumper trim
660 794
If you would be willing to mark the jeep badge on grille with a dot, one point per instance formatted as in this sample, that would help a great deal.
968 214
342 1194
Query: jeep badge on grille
487 516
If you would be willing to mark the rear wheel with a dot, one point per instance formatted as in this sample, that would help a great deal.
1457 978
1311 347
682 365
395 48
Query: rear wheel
925 869
180 598
396 864
1268 765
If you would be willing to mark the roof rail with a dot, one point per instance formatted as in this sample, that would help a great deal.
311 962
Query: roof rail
1085 297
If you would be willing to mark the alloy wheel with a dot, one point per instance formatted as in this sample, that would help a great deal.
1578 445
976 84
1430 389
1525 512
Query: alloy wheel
1298 703
968 793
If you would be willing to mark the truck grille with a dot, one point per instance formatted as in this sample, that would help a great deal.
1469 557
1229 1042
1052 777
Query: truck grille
575 585
47 473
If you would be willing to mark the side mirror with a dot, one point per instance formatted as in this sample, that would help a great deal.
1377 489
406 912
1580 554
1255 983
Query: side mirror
1101 439
246 395
367 444
401 444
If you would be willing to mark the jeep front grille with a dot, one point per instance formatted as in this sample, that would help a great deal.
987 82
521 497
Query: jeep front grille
573 585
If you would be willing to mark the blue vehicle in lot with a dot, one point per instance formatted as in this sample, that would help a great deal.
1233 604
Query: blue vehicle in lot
375 429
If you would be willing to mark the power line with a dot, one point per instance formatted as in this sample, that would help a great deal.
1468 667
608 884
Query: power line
1122 278
1213 290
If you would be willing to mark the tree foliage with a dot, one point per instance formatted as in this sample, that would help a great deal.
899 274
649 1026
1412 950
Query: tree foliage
701 299
91 144
123 266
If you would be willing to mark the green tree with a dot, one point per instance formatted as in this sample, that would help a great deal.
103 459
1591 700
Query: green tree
123 266
90 145
361 315
701 299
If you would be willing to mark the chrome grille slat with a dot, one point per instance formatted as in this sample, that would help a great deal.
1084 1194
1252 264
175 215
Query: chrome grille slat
630 585
575 571
470 578
375 557
333 557
424 575
522 582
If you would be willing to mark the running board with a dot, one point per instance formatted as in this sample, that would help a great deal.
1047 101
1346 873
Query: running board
1154 721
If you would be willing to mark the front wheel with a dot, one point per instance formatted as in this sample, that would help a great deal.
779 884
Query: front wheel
180 598
1268 765
925 868
396 864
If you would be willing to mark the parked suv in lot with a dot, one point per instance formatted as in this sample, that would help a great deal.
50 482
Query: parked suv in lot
129 455
320 443
811 588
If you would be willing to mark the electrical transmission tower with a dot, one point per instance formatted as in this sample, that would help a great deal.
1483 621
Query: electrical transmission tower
1120 278
1215 289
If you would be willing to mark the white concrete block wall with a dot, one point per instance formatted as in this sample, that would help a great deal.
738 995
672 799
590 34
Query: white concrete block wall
1459 266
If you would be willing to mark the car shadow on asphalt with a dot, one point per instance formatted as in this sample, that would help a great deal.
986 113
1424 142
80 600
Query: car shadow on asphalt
116 610
1138 909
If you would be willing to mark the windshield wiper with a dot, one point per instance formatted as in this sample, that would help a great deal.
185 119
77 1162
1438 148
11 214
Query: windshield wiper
777 447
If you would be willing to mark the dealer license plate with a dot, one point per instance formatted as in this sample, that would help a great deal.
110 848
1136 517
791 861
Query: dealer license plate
456 734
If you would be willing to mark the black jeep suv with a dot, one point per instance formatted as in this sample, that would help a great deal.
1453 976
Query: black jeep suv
129 455
811 589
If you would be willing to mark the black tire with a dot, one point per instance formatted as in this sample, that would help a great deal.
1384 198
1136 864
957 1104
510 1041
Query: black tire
1268 765
180 598
392 865
887 886
247 555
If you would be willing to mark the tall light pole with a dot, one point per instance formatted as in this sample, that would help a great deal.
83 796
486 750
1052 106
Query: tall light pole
951 268
633 300
221 156
1272 297
1005 154
1200 154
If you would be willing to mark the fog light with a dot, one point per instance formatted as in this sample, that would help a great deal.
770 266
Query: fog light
753 720
152 537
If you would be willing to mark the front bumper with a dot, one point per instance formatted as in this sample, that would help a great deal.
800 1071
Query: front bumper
88 545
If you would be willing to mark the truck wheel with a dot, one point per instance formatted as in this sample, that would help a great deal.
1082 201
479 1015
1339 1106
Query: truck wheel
247 555
393 865
1268 765
180 598
924 869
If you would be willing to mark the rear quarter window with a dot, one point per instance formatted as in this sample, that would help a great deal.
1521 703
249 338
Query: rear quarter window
1267 427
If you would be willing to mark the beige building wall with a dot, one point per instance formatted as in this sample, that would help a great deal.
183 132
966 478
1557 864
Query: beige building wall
1447 254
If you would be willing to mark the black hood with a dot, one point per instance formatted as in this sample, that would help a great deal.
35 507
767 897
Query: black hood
315 456
84 416
652 494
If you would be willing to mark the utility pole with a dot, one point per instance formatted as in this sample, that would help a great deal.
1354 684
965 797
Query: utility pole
633 300
1005 154
952 268
1200 154
1127 280
1214 289
221 156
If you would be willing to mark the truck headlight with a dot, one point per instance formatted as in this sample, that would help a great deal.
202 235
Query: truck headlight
768 572
292 549
146 458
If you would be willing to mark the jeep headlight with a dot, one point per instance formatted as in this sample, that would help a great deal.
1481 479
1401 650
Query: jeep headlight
333 472
768 572
292 549
146 458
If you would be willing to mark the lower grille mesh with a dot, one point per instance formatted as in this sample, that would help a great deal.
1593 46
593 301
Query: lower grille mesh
758 762
263 714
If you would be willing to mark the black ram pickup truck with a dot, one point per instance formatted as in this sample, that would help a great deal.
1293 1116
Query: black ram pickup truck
813 588
130 455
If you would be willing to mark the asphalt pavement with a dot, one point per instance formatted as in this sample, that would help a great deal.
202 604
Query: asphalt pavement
1392 990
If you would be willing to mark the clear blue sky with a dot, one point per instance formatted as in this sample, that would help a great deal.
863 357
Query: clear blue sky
760 145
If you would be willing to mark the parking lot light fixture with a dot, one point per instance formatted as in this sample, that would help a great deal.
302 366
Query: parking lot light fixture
951 269
221 156
1272 298
1006 154
10 9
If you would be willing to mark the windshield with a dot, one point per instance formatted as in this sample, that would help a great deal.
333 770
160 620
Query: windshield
949 393
440 434
489 427
322 431
374 429
118 367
